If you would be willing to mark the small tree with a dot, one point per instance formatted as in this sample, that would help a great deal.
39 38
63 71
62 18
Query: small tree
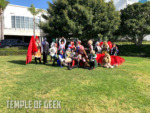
3 4
34 12
136 21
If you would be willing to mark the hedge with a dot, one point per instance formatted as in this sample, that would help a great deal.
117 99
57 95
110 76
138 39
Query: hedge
9 53
133 50
13 51
124 50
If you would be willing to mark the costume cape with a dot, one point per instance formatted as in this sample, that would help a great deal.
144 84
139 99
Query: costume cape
32 48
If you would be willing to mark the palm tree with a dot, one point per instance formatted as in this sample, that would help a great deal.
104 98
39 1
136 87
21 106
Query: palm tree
3 4
34 12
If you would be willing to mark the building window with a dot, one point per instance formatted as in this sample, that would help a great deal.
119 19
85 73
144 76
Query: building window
24 22
31 23
13 21
17 21
37 21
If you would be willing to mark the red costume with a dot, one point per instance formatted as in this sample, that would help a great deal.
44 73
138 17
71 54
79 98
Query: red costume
31 50
115 60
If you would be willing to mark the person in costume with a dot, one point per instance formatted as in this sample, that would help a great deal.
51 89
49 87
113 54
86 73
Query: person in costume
90 42
53 53
62 44
38 53
71 45
68 53
68 59
73 53
81 54
105 48
61 59
45 45
80 49
106 62
52 45
106 59
98 49
93 62
114 50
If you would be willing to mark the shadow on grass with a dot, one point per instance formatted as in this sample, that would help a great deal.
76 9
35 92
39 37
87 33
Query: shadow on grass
51 65
20 62
23 62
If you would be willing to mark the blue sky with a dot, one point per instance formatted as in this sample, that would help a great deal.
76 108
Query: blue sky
38 3
143 1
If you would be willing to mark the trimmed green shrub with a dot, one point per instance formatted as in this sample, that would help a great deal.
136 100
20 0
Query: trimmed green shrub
132 50
13 51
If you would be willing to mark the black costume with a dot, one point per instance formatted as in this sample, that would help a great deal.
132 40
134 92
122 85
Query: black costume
45 50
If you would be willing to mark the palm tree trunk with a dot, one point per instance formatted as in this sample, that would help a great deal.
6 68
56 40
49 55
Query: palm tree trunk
1 11
2 26
34 26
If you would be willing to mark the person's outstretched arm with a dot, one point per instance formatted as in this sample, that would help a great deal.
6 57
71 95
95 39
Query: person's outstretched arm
59 41
64 41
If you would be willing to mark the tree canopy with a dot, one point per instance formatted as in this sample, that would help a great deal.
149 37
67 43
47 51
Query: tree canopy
83 19
136 21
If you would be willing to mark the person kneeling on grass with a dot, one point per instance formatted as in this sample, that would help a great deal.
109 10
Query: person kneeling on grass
61 60
68 59
93 62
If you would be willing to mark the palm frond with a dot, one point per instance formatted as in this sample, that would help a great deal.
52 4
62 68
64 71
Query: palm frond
3 4
34 11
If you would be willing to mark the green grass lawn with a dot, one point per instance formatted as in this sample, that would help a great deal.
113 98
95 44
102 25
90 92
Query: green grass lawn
122 89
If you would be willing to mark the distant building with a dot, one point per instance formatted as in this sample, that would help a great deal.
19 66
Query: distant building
18 23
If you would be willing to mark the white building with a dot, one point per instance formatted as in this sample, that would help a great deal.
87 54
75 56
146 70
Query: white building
18 23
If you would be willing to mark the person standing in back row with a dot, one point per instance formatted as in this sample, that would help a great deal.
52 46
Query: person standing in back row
62 44
45 45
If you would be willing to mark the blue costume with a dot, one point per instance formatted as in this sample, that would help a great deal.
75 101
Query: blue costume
59 60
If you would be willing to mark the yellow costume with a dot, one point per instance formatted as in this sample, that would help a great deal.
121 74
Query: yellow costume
38 54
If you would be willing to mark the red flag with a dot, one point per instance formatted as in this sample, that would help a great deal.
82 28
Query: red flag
31 50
